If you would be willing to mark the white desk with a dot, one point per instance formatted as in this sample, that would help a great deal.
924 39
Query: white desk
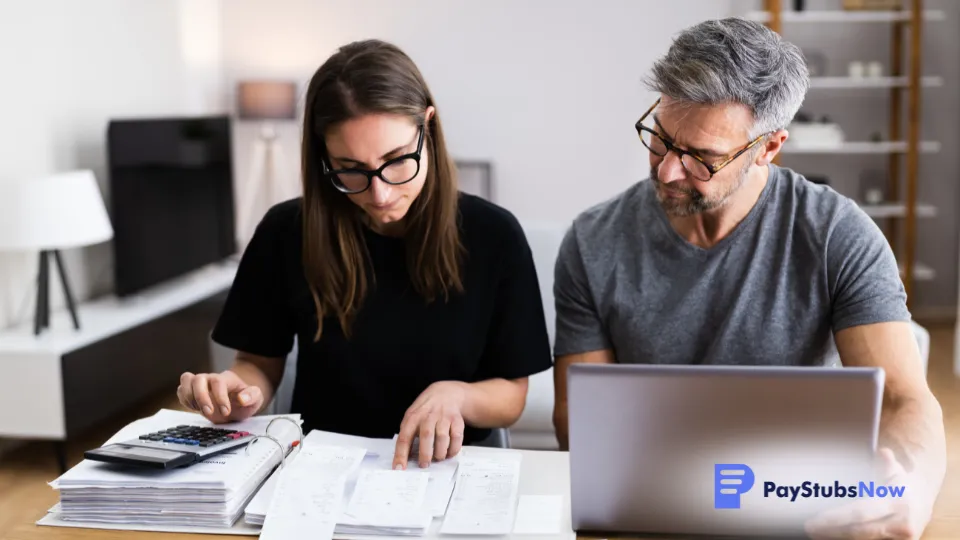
64 379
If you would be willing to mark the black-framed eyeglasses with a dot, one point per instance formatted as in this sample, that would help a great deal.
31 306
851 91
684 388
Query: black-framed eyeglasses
395 171
695 165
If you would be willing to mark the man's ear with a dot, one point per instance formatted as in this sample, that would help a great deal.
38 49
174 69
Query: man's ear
771 147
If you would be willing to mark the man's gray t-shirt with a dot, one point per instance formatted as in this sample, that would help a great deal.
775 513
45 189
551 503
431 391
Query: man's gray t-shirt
804 263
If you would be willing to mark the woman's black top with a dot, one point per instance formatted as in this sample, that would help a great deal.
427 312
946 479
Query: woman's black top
400 343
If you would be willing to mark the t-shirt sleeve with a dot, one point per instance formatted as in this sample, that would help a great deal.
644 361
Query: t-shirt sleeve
517 344
863 275
579 326
255 318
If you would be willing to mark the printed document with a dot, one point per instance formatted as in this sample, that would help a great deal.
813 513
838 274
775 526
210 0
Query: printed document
485 498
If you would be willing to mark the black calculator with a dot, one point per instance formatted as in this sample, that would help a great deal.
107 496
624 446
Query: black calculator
171 448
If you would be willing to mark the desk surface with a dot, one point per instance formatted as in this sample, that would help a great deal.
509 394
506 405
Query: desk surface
543 473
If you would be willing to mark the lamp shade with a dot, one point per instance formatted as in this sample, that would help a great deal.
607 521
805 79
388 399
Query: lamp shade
267 100
57 212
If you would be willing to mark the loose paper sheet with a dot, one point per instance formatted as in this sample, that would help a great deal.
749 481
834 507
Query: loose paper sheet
538 514
485 498
309 494
387 498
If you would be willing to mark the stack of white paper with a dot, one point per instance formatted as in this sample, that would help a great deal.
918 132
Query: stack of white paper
374 500
212 493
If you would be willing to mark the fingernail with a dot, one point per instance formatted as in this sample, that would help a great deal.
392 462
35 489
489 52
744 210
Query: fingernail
224 410
207 409
398 467
243 398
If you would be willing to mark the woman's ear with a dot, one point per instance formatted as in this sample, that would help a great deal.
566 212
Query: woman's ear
428 115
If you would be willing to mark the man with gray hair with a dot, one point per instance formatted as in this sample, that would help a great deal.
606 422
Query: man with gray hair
722 257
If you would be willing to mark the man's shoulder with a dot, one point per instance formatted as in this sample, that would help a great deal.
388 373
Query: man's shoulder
612 214
815 206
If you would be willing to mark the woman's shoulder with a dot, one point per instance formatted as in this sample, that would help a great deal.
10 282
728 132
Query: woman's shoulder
279 231
480 216
283 217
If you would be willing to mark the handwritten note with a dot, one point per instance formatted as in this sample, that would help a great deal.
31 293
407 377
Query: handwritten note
485 498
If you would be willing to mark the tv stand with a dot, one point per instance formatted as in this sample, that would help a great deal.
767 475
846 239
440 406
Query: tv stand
129 349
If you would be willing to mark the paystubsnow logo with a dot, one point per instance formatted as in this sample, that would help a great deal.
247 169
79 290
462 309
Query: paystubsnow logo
732 480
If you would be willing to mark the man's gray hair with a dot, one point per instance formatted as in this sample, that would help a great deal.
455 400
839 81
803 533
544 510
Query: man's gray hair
734 60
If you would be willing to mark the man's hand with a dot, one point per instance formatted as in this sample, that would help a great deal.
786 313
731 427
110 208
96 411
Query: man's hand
437 418
220 397
899 518
560 412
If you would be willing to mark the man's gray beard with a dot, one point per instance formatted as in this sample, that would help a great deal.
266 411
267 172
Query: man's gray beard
697 203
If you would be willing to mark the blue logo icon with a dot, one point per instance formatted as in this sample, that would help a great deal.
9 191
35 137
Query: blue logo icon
730 481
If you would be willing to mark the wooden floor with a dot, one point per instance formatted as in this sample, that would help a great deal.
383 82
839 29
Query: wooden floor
24 473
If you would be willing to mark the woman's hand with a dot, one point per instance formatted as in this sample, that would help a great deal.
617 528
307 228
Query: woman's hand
437 418
220 397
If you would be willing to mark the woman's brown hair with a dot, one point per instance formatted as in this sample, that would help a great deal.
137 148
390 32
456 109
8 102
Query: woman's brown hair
373 77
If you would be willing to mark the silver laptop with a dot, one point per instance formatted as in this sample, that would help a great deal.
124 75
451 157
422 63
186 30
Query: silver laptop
719 450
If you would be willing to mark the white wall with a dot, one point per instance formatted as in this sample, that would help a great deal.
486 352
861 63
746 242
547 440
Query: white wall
548 91
68 67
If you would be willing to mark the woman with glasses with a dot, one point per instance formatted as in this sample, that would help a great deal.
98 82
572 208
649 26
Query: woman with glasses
416 308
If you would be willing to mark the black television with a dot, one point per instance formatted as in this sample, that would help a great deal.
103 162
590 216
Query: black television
171 197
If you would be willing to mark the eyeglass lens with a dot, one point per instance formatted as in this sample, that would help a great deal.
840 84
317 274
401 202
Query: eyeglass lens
398 172
693 166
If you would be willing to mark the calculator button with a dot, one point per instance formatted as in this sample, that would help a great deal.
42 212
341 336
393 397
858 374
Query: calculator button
169 439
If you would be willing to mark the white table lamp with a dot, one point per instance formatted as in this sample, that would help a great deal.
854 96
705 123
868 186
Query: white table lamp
49 214
266 102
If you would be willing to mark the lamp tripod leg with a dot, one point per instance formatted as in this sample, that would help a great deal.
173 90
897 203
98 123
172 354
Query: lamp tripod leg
66 290
41 317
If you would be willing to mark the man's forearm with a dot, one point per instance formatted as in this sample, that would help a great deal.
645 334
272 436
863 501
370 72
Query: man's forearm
913 429
494 403
560 426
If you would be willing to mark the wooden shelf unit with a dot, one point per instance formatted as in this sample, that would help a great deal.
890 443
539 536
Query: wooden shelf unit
905 80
